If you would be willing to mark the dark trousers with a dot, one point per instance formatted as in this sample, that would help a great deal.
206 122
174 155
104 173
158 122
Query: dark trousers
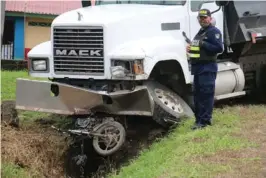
204 89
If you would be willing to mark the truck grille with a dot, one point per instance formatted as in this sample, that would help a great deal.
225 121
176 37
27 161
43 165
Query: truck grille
78 51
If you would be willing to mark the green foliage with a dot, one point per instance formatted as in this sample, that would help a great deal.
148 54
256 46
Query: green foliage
10 170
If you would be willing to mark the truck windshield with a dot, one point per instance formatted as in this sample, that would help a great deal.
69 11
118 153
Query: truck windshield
150 2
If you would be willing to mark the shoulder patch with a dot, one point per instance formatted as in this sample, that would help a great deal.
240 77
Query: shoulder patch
217 35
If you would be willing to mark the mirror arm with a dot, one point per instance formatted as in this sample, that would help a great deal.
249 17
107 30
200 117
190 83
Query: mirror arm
216 10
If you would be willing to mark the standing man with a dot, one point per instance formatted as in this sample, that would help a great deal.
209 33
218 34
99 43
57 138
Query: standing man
203 52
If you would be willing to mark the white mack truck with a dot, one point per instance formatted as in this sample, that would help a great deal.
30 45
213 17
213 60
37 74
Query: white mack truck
128 58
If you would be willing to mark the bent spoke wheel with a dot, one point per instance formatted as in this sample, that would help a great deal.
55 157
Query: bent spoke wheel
114 136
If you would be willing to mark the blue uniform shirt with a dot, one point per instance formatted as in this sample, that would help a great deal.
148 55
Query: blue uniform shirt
212 44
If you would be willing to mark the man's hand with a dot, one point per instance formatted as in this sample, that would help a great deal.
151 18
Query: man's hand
188 48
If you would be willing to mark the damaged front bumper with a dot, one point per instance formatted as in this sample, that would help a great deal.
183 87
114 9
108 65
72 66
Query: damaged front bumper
34 95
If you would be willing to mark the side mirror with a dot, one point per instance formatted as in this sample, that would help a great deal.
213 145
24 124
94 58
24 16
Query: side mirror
86 3
221 3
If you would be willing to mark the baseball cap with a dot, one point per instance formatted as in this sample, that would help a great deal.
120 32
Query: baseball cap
204 13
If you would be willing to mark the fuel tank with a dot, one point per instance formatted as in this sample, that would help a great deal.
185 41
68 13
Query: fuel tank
230 81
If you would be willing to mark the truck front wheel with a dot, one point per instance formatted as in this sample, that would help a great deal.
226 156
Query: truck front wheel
169 108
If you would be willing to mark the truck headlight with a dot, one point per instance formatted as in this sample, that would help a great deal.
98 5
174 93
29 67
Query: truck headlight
118 71
39 64
138 67
126 68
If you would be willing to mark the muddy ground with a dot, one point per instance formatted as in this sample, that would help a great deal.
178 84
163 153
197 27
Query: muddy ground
44 152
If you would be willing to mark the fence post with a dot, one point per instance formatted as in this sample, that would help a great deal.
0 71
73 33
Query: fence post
3 8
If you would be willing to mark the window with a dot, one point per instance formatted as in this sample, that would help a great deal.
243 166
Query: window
196 5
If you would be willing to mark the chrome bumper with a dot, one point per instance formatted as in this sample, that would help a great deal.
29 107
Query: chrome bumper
34 95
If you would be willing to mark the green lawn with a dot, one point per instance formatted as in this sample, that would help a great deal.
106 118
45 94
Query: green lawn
233 147
8 91
186 153
8 83
10 170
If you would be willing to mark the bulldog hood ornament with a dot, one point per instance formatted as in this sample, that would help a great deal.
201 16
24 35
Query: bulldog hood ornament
80 16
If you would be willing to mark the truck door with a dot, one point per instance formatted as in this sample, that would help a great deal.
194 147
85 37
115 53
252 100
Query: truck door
193 9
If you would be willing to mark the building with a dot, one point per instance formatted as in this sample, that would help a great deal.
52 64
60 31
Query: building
27 24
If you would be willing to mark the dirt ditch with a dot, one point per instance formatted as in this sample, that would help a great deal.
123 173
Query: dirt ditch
141 133
44 152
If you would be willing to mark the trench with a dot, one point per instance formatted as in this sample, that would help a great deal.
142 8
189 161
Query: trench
141 133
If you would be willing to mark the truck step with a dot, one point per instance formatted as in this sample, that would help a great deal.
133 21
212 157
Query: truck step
230 95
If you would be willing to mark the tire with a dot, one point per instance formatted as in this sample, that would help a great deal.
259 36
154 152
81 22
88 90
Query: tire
121 141
168 107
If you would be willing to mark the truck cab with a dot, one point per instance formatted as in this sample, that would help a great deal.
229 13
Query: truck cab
87 42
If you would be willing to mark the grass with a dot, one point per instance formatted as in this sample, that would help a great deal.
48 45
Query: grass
21 153
233 147
8 83
186 153
230 148
10 170
8 92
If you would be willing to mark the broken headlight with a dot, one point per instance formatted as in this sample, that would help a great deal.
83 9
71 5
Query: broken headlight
126 68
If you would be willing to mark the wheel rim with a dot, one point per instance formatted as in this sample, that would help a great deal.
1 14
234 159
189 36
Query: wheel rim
110 142
169 100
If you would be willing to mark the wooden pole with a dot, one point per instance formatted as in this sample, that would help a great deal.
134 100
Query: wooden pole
3 7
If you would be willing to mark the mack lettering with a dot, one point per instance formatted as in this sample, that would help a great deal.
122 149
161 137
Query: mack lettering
81 52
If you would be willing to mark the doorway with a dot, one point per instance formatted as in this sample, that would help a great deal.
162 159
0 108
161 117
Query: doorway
7 51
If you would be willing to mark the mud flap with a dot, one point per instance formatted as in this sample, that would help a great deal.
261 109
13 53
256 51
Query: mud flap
58 98
168 106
